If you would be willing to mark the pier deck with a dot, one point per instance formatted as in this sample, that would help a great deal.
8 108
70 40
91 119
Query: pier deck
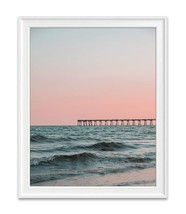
116 122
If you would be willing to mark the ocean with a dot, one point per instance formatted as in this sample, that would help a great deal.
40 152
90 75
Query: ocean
93 155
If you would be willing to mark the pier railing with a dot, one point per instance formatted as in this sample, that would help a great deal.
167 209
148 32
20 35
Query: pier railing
116 122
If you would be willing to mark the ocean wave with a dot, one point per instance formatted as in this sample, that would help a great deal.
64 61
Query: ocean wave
38 137
138 159
42 138
54 149
110 146
59 158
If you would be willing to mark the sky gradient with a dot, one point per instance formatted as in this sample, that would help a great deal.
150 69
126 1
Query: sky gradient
91 73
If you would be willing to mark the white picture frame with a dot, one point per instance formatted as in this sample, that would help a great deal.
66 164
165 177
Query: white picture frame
24 188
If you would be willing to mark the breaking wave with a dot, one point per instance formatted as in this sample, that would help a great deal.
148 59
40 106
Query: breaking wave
59 158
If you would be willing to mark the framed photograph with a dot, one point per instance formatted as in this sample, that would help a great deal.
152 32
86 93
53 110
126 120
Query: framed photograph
92 107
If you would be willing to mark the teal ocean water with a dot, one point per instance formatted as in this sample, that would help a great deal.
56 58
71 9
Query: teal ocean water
77 153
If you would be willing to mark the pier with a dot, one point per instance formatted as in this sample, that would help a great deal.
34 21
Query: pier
117 122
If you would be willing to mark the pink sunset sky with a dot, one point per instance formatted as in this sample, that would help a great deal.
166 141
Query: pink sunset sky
92 73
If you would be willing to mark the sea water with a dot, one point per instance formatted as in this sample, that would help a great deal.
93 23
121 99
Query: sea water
71 154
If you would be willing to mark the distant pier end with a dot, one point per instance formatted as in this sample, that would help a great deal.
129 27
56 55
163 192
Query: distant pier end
117 122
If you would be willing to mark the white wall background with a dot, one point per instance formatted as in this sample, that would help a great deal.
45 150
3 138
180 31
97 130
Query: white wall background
9 10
